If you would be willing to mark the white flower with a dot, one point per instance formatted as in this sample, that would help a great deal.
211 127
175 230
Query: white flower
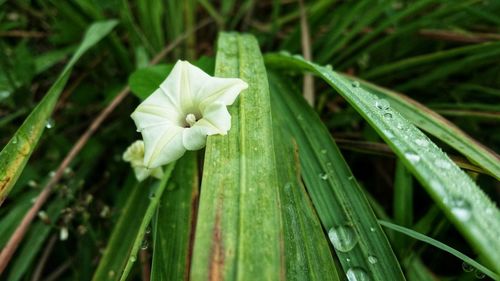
135 155
188 106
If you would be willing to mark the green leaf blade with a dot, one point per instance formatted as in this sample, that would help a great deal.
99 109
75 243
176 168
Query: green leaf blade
463 202
238 229
18 150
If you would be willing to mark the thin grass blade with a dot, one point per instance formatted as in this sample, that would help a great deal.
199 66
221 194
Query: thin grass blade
307 252
173 226
18 150
359 242
463 202
126 239
442 246
436 125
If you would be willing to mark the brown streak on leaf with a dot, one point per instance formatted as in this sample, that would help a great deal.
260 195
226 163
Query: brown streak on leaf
217 253
193 217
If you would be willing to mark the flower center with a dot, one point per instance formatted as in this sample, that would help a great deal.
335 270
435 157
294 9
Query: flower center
191 119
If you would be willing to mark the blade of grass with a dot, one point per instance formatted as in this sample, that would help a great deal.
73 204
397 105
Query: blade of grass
238 234
436 125
126 239
35 241
307 253
359 242
18 150
463 202
173 226
403 199
441 246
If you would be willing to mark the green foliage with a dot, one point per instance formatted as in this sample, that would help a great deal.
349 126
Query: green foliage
288 174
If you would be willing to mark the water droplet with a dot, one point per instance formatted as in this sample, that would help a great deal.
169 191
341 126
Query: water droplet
422 142
467 267
388 115
443 164
133 258
52 174
350 178
460 208
382 104
144 244
343 238
355 84
479 275
15 140
372 229
63 234
49 124
412 156
329 67
323 151
300 117
388 134
148 230
286 53
111 274
323 176
348 260
357 274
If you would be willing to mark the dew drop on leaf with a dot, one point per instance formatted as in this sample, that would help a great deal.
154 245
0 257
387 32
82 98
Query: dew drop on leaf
323 176
467 267
372 259
49 124
144 244
479 275
460 208
343 238
412 156
355 84
422 142
443 164
357 274
382 104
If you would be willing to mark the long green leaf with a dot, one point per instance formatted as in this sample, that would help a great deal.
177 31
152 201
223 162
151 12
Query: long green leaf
358 240
441 246
18 150
174 223
463 202
307 254
126 239
238 228
436 125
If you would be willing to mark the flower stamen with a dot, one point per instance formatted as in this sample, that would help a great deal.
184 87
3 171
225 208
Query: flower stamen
191 119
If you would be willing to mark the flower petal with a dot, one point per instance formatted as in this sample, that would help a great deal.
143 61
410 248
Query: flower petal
194 138
216 119
156 110
220 90
141 173
182 84
163 144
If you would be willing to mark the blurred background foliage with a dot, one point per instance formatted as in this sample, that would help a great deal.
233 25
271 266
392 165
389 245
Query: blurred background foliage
444 54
